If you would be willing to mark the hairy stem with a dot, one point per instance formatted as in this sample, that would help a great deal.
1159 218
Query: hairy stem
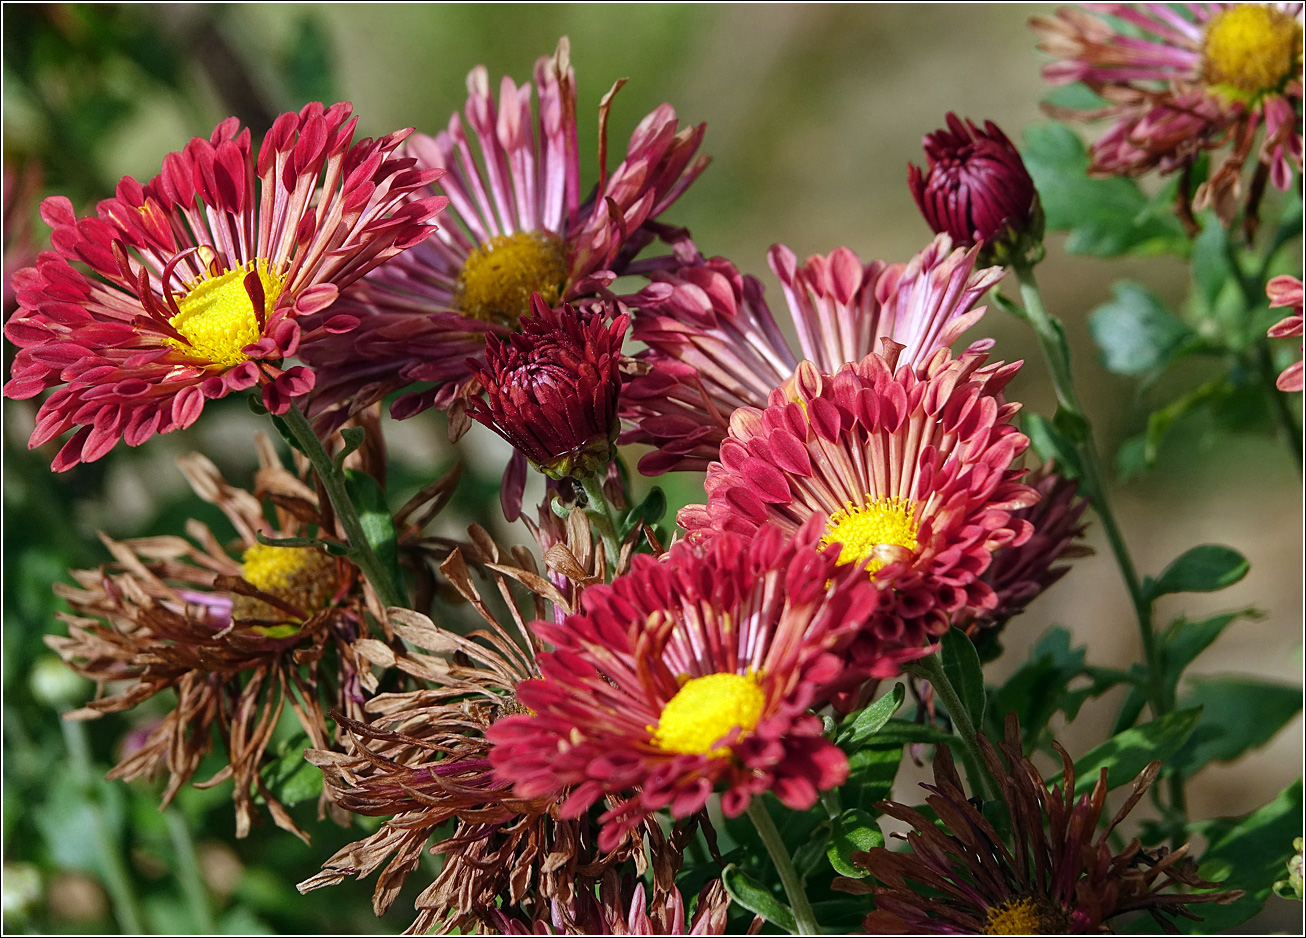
600 514
784 865
963 724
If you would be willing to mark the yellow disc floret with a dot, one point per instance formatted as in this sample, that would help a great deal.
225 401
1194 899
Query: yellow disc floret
1026 916
865 531
706 709
1251 50
302 576
498 278
217 317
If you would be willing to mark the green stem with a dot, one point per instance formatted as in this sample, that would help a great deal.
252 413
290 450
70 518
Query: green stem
1284 421
334 484
188 872
116 878
784 865
963 724
600 513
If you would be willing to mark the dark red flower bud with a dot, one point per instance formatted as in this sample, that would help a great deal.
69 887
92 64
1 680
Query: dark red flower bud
551 389
977 189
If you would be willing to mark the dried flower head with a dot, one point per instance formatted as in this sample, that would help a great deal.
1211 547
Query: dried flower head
1052 876
551 389
1179 81
519 227
714 346
200 277
238 635
976 189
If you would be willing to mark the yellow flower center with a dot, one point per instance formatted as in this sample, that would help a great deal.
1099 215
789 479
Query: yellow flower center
1251 50
302 576
217 317
707 708
497 280
866 531
1026 916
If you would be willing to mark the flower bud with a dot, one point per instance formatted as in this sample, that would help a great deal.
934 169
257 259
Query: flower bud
976 189
551 390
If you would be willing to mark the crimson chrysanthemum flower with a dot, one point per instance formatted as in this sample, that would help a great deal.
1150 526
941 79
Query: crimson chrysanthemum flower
1183 80
976 189
1020 573
198 279
714 346
521 227
688 674
1056 874
551 389
1287 291
912 466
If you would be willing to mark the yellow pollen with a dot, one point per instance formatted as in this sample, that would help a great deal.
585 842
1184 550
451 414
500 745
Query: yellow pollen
707 708
1028 915
498 278
865 531
217 317
1251 50
302 576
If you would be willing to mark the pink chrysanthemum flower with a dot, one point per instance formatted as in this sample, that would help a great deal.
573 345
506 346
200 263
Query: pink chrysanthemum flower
691 673
522 227
198 279
1287 291
912 465
1183 80
714 346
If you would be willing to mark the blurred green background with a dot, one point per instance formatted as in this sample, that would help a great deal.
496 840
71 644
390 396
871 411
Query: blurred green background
813 113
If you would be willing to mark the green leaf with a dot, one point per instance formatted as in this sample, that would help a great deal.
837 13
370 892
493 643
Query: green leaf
754 897
291 778
962 666
1105 217
1135 333
902 732
853 830
353 438
1139 453
871 771
1126 754
1182 641
1211 262
1203 569
1048 442
871 719
650 511
1036 691
308 64
1238 714
808 856
374 515
1249 856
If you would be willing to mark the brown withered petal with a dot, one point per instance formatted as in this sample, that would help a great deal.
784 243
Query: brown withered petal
1052 876
237 642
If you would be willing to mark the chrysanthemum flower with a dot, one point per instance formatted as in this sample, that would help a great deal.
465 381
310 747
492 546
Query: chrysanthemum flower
976 189
1053 877
551 389
1186 80
522 228
622 907
238 635
1287 291
199 278
423 760
912 467
693 673
1020 573
714 346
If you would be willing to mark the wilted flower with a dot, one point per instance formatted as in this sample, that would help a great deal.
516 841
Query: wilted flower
1052 877
1179 81
237 637
199 277
424 761
1287 291
551 389
521 229
976 189
692 673
912 467
1020 573
714 346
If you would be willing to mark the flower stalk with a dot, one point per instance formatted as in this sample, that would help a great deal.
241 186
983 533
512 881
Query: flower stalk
963 724
784 865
